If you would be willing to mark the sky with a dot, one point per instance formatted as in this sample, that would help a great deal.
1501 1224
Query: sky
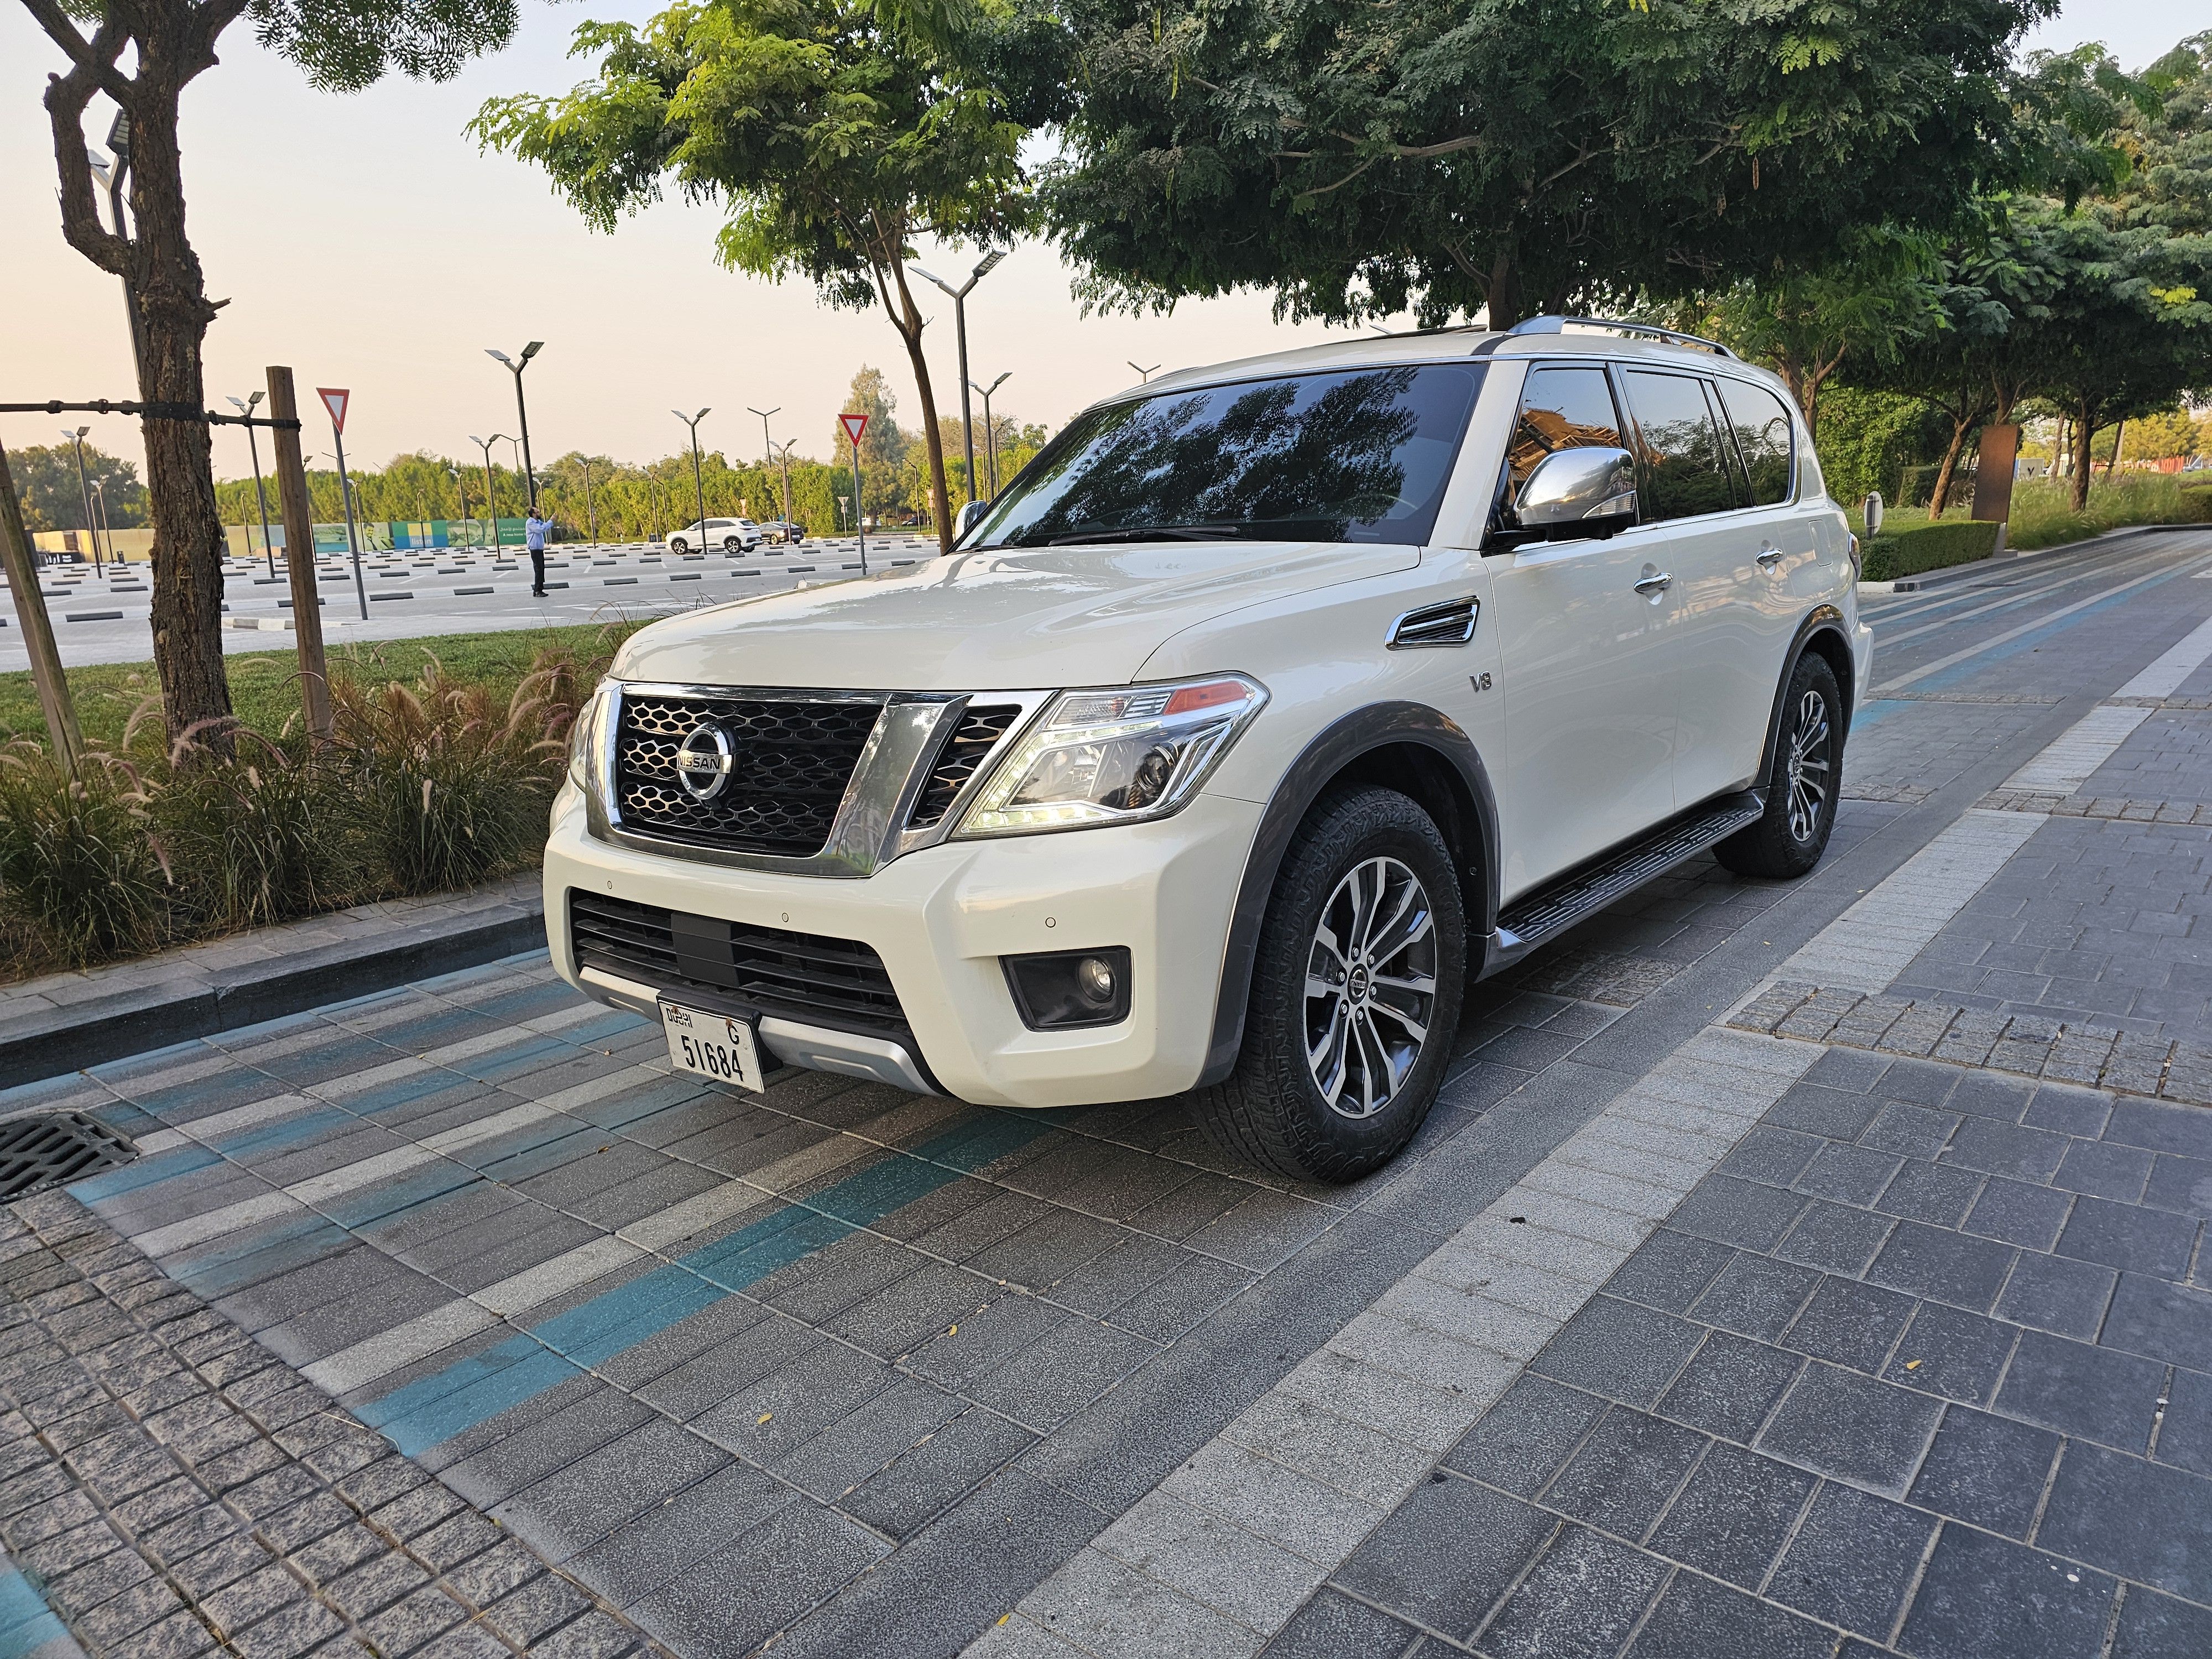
365 241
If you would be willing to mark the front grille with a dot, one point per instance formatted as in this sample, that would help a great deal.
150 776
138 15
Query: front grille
792 763
979 728
837 982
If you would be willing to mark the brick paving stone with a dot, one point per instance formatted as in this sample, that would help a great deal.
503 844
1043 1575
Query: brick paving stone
189 1473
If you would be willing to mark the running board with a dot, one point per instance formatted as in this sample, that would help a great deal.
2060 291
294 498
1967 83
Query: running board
1545 914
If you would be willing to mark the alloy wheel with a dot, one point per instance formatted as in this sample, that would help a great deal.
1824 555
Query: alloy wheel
1810 761
1371 987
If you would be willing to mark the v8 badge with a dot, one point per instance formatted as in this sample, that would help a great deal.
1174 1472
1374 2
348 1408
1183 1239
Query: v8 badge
1479 682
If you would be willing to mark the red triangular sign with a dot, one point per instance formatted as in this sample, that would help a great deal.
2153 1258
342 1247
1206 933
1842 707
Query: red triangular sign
854 425
334 399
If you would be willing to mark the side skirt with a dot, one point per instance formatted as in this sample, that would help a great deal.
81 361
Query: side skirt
1534 918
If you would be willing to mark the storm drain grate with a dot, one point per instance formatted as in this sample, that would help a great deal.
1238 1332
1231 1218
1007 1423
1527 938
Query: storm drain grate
45 1149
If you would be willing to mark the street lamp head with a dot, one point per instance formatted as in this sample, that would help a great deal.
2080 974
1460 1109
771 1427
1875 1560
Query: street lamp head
533 349
83 430
703 415
501 355
100 166
990 262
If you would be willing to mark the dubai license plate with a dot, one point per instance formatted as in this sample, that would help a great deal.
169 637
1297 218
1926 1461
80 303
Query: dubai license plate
712 1045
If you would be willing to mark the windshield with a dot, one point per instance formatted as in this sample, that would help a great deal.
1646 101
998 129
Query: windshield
1352 456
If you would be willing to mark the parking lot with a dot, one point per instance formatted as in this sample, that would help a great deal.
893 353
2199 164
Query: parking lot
1808 1268
103 616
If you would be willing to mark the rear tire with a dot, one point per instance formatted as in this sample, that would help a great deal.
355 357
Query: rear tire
1356 991
733 545
1803 783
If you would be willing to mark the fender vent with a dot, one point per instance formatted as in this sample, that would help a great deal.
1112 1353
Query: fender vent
972 739
45 1149
1436 624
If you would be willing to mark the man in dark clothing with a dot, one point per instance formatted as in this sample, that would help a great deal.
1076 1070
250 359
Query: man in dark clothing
533 536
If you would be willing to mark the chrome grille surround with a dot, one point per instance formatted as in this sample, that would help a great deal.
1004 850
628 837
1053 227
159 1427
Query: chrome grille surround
872 824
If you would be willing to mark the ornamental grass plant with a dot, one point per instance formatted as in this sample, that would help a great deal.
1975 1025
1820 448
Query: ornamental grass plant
425 786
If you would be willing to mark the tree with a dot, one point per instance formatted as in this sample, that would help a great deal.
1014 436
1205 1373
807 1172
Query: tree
833 137
343 45
2166 435
47 477
1510 156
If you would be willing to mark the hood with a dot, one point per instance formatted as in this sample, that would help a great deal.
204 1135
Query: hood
1006 619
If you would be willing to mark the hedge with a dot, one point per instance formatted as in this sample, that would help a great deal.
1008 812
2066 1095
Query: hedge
1909 552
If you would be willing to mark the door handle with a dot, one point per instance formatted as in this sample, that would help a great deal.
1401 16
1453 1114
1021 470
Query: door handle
1769 556
1658 584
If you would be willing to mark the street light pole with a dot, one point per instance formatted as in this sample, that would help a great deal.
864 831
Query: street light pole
590 513
1144 375
100 500
84 483
960 329
353 539
491 494
991 429
783 455
114 174
522 412
245 406
698 479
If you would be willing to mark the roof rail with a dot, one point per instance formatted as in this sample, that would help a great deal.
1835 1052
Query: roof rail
1559 325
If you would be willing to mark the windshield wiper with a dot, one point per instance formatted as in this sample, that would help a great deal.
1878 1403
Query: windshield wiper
1157 533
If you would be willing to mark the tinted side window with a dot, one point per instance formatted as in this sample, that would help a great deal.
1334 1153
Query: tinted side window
1684 469
1763 433
1560 409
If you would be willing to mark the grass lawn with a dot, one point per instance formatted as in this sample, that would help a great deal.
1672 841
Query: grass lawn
261 684
2043 511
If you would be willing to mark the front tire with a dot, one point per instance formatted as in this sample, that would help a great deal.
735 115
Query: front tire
1802 786
677 544
1356 991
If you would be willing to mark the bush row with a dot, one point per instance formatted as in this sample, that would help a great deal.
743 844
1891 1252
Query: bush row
425 787
1910 550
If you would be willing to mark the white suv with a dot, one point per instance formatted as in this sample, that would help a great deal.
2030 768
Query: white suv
730 535
1269 706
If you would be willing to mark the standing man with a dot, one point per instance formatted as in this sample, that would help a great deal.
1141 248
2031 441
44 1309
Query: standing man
533 536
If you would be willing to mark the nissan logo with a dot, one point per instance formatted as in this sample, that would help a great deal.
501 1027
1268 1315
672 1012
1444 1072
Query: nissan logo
704 761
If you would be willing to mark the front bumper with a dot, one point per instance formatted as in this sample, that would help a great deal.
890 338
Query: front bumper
941 918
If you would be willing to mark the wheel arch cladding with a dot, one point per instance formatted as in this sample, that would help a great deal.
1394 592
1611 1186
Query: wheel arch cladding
1405 746
1821 633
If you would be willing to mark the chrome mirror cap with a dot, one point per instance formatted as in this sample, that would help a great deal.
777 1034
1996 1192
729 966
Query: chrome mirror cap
1578 492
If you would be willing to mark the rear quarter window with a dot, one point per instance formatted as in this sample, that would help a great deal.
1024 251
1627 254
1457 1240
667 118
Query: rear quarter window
1764 436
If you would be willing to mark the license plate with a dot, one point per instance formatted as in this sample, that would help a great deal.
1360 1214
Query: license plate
712 1045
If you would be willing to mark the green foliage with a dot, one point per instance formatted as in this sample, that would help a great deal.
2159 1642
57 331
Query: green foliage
2043 513
1908 549
47 478
428 785
1522 153
1867 439
353 44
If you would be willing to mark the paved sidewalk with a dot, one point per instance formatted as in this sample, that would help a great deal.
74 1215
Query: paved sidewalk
169 1489
1667 1337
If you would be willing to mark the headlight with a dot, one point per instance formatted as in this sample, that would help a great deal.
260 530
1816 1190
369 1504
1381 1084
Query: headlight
1114 757
584 736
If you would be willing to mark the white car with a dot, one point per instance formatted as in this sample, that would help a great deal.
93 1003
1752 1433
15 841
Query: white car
1271 705
730 535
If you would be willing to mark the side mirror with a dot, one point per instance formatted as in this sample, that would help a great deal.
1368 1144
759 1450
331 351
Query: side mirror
1574 492
1874 515
970 516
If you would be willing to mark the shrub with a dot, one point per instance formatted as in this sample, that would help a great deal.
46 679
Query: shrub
1910 550
426 787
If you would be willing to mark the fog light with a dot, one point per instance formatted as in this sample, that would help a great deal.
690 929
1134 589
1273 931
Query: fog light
1068 989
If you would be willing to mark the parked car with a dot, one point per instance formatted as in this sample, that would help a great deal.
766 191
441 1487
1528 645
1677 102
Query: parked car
730 535
1269 707
783 531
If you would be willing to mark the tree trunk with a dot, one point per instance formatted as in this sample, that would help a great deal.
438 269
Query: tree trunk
1940 497
909 321
2085 433
157 260
1502 296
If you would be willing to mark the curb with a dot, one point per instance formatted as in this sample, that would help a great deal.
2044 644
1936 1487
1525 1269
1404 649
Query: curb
40 1046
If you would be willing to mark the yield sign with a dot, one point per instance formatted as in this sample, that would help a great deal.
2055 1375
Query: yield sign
854 425
334 399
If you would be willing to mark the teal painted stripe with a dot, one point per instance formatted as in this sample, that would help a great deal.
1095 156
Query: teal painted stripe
433 1409
146 1172
28 1625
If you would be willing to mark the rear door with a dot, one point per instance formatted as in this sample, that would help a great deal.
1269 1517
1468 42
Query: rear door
1694 500
1590 690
